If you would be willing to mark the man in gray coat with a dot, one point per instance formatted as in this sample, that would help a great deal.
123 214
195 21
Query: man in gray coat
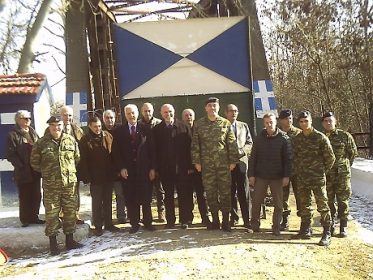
240 188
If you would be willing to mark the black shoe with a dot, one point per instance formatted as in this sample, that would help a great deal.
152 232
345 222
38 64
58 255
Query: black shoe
122 221
225 225
38 222
149 227
233 223
25 225
134 229
97 231
169 226
276 232
256 229
343 228
184 226
112 228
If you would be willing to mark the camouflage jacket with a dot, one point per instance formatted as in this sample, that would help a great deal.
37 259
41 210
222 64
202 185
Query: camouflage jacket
344 149
293 131
214 142
153 122
313 156
56 160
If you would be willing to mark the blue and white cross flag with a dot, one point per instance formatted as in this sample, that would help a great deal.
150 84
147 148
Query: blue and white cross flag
78 101
264 98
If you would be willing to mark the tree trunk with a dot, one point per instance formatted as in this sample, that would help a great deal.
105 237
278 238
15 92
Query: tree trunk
27 55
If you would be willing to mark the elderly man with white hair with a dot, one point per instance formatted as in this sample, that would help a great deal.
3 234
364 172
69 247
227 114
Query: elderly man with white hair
20 141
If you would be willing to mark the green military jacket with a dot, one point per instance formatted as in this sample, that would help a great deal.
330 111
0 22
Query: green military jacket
344 149
293 131
313 156
56 160
214 142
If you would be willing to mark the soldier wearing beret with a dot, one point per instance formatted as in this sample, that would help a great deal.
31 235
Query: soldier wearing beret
55 156
285 123
313 159
338 180
215 154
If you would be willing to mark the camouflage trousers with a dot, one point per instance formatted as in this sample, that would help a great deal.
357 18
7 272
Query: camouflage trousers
216 179
56 198
338 188
286 194
305 199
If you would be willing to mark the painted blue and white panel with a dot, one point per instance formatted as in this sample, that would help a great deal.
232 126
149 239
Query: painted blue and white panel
78 102
199 56
265 101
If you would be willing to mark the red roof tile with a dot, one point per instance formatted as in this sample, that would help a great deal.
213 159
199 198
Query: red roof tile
21 83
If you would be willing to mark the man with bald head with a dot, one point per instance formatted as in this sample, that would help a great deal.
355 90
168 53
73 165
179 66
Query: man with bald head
147 118
172 161
71 128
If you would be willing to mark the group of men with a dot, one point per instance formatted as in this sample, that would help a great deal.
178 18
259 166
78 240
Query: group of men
214 157
309 160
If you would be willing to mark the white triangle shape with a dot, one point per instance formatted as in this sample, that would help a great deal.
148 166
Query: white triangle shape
179 37
185 78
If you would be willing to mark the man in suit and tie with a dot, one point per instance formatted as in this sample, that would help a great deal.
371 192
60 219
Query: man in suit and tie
132 158
240 188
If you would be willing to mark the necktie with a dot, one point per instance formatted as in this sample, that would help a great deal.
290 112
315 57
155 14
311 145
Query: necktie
133 131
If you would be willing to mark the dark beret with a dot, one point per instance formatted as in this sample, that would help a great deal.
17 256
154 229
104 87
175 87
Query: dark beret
327 115
54 119
212 100
304 114
285 114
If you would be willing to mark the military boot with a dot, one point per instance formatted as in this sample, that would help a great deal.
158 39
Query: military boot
343 228
332 227
71 243
225 226
326 237
53 245
285 222
305 232
215 221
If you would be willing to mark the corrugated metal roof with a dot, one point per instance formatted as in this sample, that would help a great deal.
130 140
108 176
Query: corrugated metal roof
28 84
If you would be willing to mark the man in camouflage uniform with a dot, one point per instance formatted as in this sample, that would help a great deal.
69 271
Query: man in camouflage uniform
286 124
313 159
215 154
71 128
338 180
55 156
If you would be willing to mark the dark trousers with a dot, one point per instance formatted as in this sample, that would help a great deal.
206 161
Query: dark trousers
239 188
101 205
29 201
260 190
286 194
138 195
185 198
195 180
159 194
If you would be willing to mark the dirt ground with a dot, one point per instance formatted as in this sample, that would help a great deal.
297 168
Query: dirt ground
200 254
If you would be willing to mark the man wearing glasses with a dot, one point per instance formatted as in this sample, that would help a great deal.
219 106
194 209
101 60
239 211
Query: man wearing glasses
19 145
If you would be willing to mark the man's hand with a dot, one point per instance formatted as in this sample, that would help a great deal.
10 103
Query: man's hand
285 181
232 166
152 174
198 167
124 173
252 181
